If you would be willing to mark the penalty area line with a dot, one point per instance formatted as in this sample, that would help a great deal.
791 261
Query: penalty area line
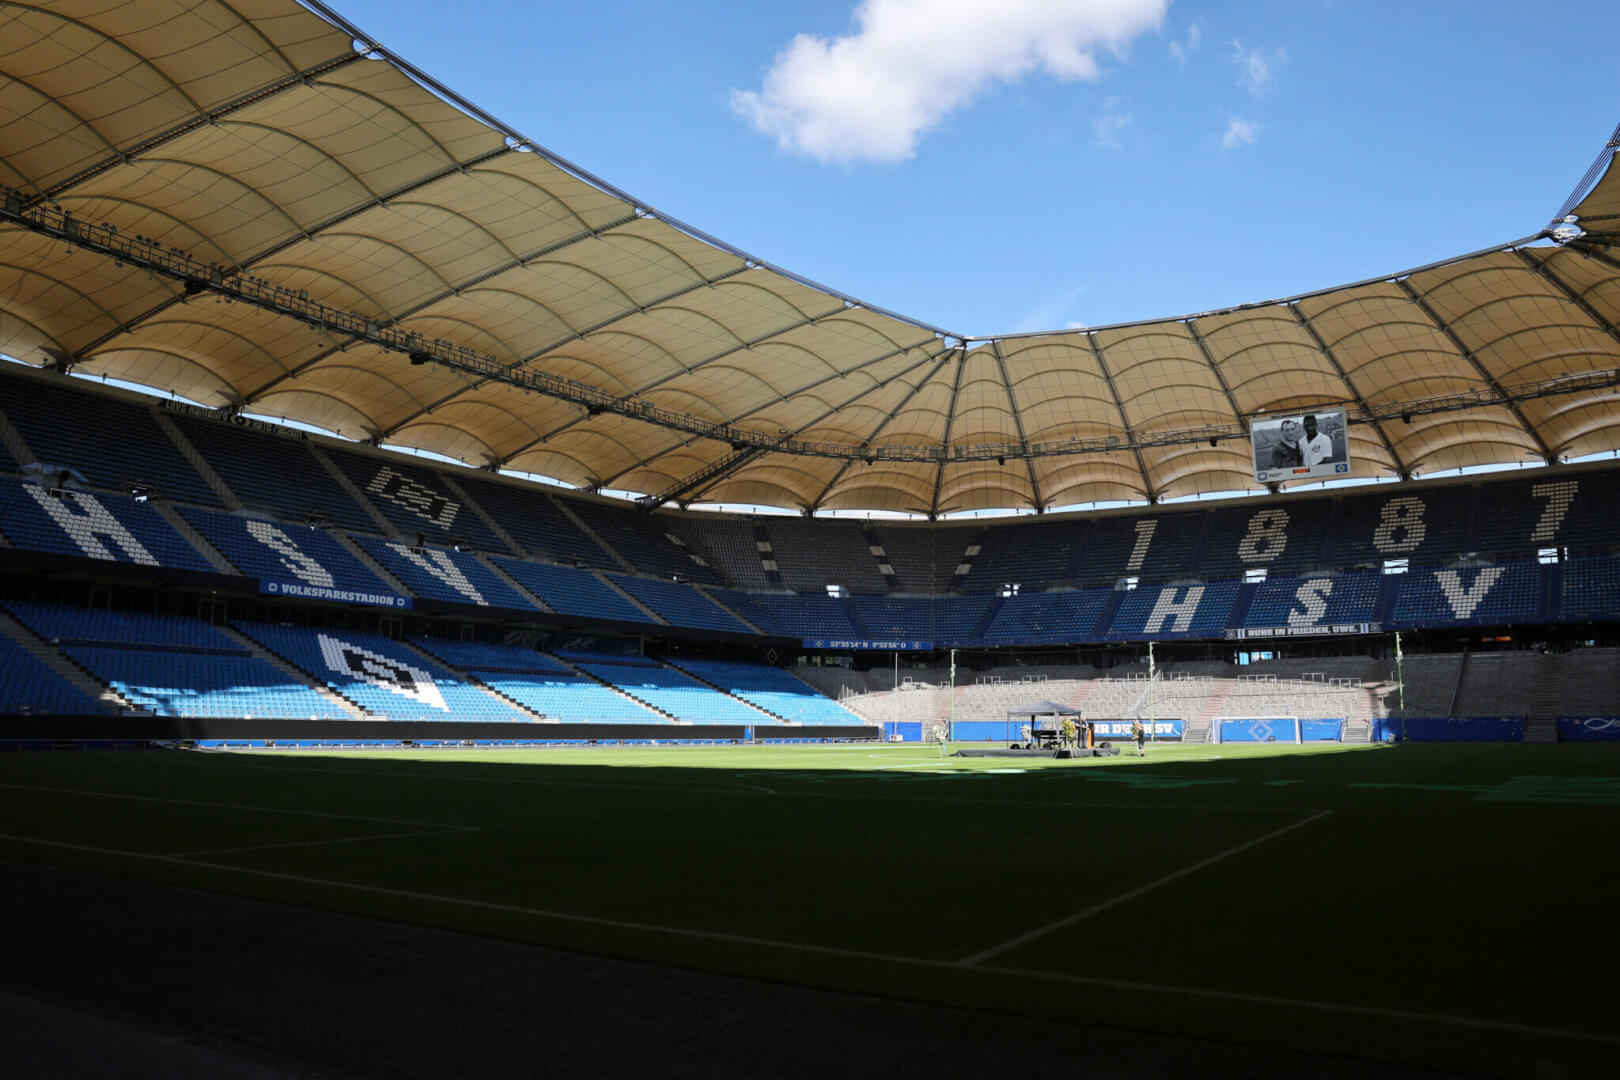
1345 1008
1141 890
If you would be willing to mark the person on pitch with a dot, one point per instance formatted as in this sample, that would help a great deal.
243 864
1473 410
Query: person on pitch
1139 733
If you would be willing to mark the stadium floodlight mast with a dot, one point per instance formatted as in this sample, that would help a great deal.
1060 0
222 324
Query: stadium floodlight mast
1400 684
1152 724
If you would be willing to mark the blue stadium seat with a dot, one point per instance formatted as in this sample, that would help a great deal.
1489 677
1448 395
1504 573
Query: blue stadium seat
275 473
27 685
1155 611
1322 600
416 500
572 591
1036 618
443 575
680 604
771 689
115 528
1504 593
276 551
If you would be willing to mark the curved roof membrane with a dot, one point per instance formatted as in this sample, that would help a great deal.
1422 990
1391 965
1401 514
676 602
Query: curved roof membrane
404 269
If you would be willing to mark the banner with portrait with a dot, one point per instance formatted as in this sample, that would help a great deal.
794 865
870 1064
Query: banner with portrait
1300 446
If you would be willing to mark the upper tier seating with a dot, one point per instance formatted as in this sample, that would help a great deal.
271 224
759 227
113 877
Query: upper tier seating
1033 618
924 557
530 517
1555 509
920 618
115 528
274 551
1154 611
383 677
680 604
1277 536
173 665
1151 547
810 555
771 689
276 473
1316 600
443 575
644 541
572 592
727 544
1505 593
1423 527
675 692
1033 555
1591 587
792 616
114 444
415 500
28 685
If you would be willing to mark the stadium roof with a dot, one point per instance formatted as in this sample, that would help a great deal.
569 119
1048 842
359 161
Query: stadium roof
406 269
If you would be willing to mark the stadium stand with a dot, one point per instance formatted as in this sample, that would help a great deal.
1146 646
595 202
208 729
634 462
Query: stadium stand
172 665
1319 600
924 558
530 517
415 500
572 592
1424 527
1033 618
1276 537
1033 555
274 551
792 615
1505 593
810 555
116 528
542 684
1519 518
727 544
643 541
669 691
1149 547
275 473
28 685
443 575
114 444
381 676
679 604
772 689
1591 587
1174 611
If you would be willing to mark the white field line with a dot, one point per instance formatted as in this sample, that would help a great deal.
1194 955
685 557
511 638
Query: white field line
742 789
1346 1009
1080 916
230 806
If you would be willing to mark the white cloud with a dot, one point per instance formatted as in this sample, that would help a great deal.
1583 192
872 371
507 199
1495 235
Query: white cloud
871 94
1111 122
1239 132
1254 67
1180 50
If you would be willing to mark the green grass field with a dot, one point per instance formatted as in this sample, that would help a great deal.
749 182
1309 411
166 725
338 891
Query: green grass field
1448 906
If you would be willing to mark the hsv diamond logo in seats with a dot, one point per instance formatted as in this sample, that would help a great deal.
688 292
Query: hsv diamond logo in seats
417 498
380 671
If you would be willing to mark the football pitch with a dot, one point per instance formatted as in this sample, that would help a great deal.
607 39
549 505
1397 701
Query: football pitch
1443 906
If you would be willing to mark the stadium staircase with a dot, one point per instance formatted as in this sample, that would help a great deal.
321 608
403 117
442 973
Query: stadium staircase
621 691
197 461
729 610
468 677
208 551
14 443
384 526
584 527
512 546
717 688
509 581
364 558
1356 731
1541 726
69 669
1214 705
296 674
982 627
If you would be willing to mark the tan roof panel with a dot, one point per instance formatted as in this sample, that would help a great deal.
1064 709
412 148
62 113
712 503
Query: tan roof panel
613 347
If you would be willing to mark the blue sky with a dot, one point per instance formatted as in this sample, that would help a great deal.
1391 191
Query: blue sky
1056 162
